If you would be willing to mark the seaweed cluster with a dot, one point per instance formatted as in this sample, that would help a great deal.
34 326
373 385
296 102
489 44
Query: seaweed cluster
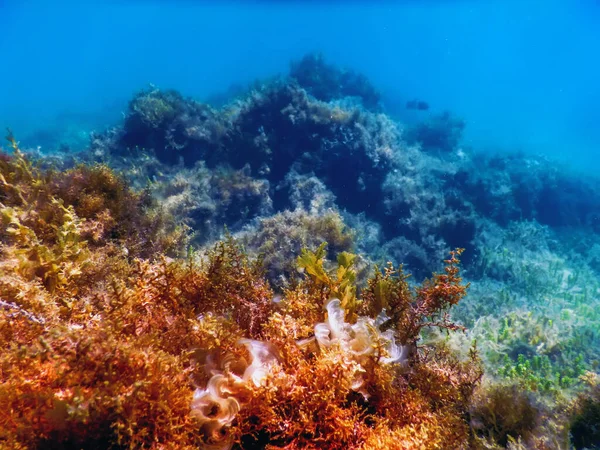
108 348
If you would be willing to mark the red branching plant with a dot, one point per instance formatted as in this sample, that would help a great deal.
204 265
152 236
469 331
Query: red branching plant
410 311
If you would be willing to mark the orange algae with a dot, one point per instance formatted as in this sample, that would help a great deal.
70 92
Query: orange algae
110 343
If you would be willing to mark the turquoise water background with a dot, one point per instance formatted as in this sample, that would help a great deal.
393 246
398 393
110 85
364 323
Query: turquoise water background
523 74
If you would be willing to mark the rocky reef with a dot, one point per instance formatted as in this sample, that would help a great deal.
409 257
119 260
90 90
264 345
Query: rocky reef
170 286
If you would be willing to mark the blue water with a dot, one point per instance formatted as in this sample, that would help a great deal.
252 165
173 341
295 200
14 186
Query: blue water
523 74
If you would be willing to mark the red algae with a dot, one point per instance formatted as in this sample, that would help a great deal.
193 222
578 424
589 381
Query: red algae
112 343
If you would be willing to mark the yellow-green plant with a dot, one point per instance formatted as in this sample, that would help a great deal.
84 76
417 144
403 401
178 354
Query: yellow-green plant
341 283
53 265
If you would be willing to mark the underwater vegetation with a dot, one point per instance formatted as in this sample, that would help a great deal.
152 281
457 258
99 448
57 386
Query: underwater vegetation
107 348
170 286
425 192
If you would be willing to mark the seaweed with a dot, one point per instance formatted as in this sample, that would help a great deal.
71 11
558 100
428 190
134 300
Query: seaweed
152 351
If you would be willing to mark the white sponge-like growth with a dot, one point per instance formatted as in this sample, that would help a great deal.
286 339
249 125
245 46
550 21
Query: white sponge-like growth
215 409
264 357
216 406
361 340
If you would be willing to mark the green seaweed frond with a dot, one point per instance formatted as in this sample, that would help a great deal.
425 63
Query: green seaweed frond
340 283
312 263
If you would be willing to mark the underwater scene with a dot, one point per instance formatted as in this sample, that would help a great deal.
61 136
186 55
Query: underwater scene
300 225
